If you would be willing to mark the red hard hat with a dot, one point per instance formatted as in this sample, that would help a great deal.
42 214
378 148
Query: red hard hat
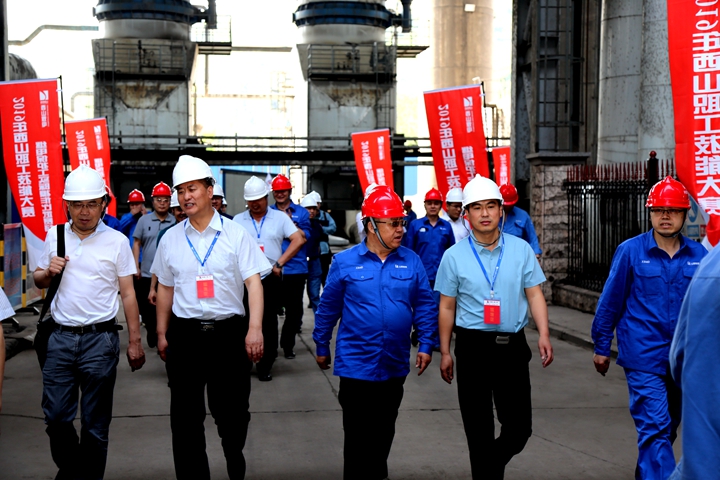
382 202
162 189
433 194
136 196
281 182
509 194
668 193
408 204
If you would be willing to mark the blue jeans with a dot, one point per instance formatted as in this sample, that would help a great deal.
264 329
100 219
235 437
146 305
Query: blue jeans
77 363
314 281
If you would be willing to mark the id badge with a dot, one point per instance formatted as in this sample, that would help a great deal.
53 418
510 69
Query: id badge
492 311
262 246
205 286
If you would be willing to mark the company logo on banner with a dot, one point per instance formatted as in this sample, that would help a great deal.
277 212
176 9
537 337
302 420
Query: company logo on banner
372 157
30 120
88 144
694 41
457 137
501 162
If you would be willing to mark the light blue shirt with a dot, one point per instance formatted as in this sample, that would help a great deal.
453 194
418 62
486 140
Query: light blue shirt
461 277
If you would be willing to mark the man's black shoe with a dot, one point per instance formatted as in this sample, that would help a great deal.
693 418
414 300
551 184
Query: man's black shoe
289 354
265 377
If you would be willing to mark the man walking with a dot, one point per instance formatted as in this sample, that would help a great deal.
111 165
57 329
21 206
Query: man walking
487 284
269 228
201 267
328 227
381 291
453 204
128 222
312 249
83 349
641 300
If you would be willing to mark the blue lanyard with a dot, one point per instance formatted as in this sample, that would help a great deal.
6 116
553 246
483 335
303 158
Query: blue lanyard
202 262
497 267
261 224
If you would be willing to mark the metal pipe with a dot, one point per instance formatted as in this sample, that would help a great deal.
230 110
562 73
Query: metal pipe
37 31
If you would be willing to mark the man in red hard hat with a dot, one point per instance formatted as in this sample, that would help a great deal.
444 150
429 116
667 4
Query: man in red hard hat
410 215
145 234
517 220
128 222
381 291
641 299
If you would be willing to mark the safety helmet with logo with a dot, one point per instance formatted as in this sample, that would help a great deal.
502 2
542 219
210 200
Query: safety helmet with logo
174 200
162 189
454 195
382 202
189 168
433 194
136 196
255 189
83 183
479 189
309 201
509 194
281 182
218 191
668 193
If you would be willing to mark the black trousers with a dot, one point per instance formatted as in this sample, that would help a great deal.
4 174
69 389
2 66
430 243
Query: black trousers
271 293
292 291
147 310
369 413
488 371
216 359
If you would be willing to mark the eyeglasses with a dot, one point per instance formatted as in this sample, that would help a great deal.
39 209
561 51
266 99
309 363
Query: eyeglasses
395 223
667 211
79 207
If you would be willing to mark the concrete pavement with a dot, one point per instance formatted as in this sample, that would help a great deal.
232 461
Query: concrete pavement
582 427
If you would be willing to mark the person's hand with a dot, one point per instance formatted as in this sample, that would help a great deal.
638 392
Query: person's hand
546 351
135 355
422 362
152 296
162 346
138 273
254 345
323 362
143 209
277 271
602 363
446 368
56 265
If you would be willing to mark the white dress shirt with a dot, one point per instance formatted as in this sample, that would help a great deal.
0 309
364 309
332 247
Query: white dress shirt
271 232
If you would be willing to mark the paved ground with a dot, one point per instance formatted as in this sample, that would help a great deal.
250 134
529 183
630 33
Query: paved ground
582 428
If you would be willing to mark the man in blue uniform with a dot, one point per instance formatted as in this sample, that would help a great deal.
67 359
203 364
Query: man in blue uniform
517 220
641 300
410 214
381 291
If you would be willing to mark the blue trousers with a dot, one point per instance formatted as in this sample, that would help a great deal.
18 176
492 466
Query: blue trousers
80 367
655 405
313 284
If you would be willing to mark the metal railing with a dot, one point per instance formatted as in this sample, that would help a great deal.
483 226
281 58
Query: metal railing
141 57
606 206
200 33
365 59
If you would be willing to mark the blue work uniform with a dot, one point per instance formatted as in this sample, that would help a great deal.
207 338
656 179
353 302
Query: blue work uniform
641 300
693 361
429 242
411 217
519 223
111 222
301 219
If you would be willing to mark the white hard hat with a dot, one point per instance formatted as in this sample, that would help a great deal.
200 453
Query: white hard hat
218 191
224 202
316 195
310 200
480 188
255 189
454 195
84 183
174 200
190 168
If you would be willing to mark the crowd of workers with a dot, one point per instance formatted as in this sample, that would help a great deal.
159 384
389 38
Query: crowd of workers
470 270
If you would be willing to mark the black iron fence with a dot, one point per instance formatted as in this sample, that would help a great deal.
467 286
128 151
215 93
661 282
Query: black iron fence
606 206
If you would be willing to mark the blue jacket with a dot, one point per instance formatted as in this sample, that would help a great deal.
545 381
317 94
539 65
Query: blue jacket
411 217
519 223
301 218
328 228
641 299
379 304
111 222
429 242
693 358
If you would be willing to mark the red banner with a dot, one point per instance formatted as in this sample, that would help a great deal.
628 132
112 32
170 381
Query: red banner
694 46
372 157
501 162
88 144
30 120
457 137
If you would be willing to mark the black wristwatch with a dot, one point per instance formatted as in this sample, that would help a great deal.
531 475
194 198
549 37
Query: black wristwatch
277 264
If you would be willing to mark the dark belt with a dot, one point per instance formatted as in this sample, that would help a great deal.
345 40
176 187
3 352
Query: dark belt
203 325
108 326
500 338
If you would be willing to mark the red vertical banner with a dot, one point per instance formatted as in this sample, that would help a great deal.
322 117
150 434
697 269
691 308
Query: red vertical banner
501 162
88 144
30 119
372 157
694 47
454 117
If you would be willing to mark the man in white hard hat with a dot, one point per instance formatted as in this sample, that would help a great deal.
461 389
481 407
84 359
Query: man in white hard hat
269 228
218 200
487 284
84 346
453 205
312 250
202 266
329 227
